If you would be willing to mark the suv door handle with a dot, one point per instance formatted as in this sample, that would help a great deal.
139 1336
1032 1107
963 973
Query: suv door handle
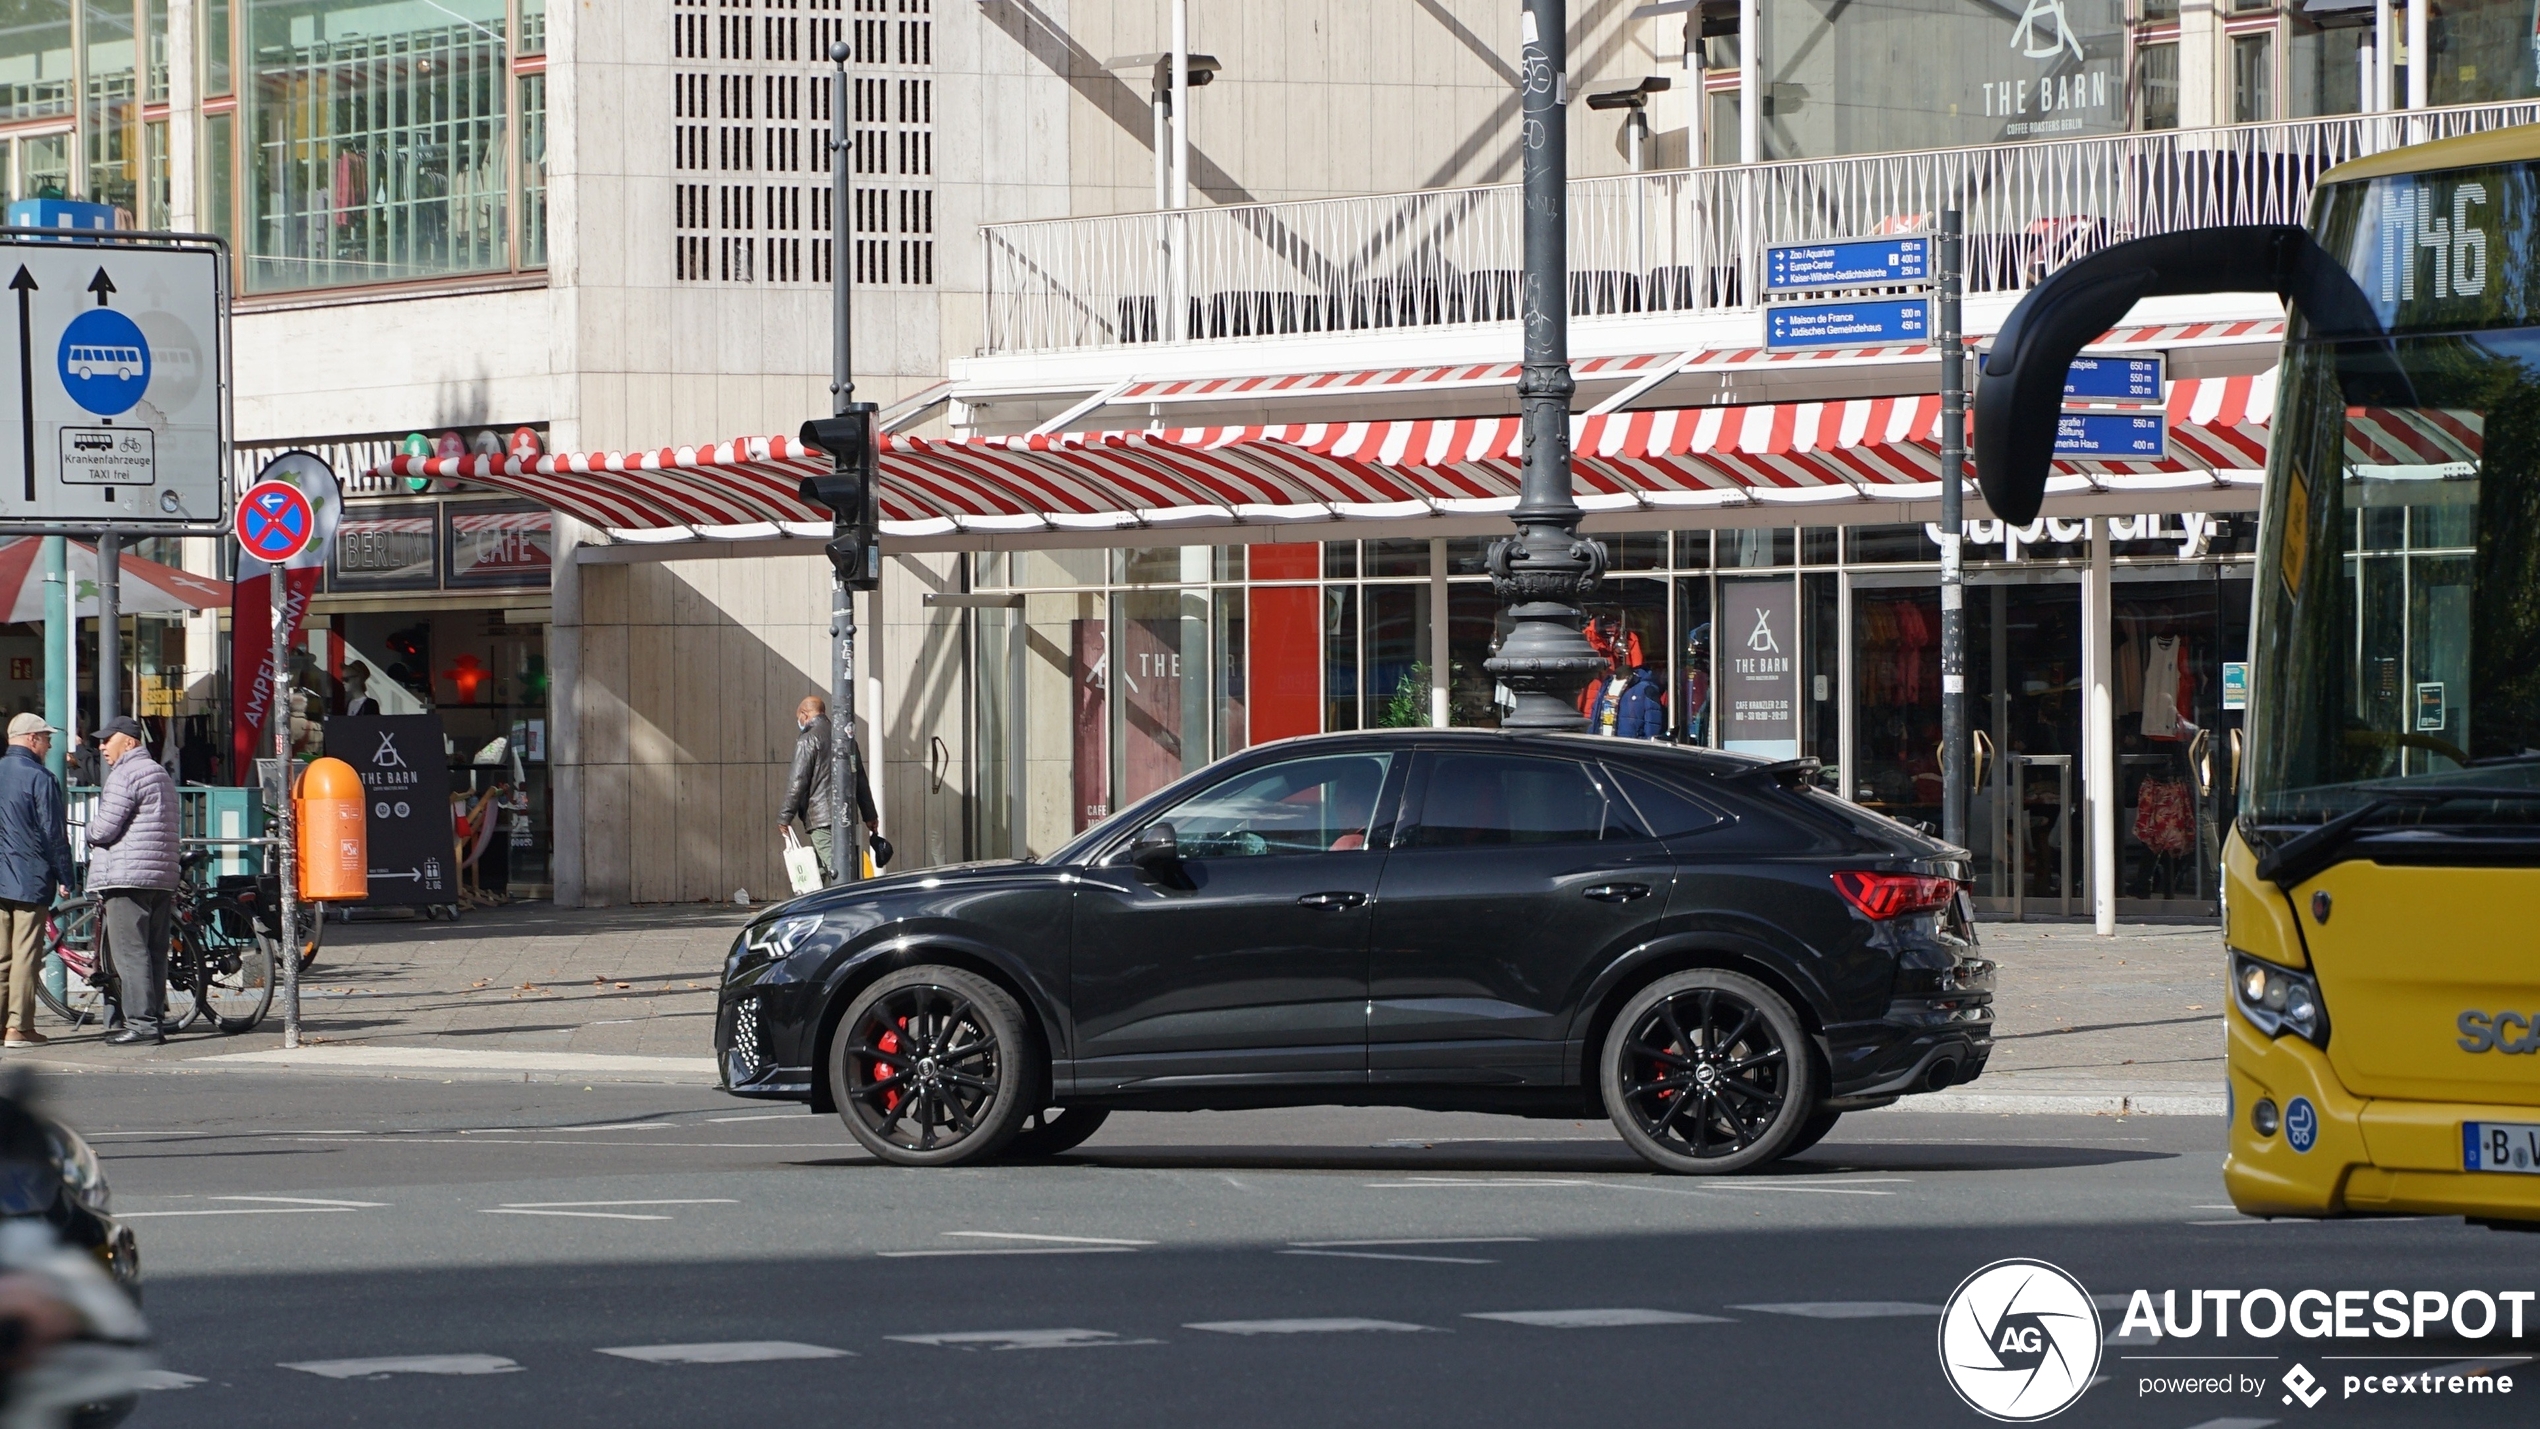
1332 900
1618 892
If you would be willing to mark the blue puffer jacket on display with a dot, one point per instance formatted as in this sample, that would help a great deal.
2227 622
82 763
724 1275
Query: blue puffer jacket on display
1643 712
132 835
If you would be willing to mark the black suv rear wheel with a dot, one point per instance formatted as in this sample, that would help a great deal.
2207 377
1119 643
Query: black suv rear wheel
1706 1072
934 1066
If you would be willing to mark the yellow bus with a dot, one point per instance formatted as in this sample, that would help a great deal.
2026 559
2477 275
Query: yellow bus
2382 883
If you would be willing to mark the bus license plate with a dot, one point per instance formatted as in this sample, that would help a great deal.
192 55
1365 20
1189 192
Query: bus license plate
2508 1146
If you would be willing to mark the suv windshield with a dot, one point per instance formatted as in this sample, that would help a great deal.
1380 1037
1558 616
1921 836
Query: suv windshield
2400 578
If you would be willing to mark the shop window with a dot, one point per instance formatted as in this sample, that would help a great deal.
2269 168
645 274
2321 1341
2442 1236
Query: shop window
1465 555
1229 709
1340 657
2252 78
1396 656
386 547
1398 558
2156 85
1627 624
1888 545
1692 684
1756 547
2483 52
36 66
1160 721
1283 561
2324 69
378 152
1283 666
1636 550
212 42
1161 565
1475 625
1693 550
1896 698
1046 570
1817 545
1340 560
1821 695
499 545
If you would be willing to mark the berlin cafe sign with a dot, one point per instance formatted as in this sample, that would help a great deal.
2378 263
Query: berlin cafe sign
2064 89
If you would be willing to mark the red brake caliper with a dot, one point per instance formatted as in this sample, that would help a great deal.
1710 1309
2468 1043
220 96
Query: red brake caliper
889 1041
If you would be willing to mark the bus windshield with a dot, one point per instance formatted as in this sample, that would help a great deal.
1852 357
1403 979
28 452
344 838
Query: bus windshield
2400 577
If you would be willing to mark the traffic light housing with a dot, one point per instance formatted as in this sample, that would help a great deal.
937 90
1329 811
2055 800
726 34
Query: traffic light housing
848 491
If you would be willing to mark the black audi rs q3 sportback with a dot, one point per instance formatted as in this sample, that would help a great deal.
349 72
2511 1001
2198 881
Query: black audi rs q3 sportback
1703 946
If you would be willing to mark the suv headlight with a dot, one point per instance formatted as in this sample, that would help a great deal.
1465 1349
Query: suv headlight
781 937
2278 999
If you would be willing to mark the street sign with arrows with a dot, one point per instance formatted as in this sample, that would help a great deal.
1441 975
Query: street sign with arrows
122 417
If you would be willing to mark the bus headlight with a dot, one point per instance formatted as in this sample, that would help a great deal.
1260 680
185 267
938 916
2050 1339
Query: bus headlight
2278 1000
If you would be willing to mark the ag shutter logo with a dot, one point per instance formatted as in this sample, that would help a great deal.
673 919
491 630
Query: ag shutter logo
2305 1386
2019 1341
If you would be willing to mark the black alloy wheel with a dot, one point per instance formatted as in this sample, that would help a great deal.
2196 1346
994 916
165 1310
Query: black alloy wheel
1054 1130
1708 1072
933 1066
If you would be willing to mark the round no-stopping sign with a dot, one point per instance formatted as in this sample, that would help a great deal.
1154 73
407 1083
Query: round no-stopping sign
275 522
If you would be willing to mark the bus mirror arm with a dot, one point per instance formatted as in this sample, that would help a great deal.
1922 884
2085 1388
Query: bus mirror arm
2019 393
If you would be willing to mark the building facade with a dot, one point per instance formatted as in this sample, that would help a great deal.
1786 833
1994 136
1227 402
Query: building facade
608 228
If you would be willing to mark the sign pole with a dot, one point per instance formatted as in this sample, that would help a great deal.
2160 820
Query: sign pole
278 713
846 858
109 627
1953 591
61 649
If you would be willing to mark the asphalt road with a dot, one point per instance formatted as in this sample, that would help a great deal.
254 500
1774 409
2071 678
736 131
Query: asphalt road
400 1252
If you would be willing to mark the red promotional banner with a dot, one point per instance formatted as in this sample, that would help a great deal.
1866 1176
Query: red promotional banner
251 655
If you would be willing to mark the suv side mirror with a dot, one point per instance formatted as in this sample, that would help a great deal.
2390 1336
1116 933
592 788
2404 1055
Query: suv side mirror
1156 849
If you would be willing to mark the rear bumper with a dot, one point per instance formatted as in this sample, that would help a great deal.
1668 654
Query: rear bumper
1921 1045
2369 1157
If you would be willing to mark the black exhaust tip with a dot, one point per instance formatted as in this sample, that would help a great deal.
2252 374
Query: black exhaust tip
1943 1073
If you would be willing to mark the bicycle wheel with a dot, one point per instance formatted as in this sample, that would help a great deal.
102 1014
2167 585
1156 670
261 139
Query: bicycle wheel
315 933
74 984
233 982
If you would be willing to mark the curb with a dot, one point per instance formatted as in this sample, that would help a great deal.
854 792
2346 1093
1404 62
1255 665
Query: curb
2068 1103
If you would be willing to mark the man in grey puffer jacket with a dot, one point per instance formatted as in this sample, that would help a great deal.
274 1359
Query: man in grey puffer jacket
132 863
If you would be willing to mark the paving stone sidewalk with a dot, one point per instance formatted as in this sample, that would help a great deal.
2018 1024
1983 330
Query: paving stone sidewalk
537 990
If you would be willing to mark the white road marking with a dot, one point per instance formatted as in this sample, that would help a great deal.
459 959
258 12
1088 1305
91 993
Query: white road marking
570 1215
239 1211
304 1201
166 1379
387 1365
1307 1327
1441 1240
1724 1184
1382 1255
1432 1182
727 1352
761 1116
1598 1319
1062 1239
1021 1340
571 1205
1845 1309
1009 1250
2233 1424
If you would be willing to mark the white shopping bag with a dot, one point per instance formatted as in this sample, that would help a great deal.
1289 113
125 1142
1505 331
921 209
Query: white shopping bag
802 863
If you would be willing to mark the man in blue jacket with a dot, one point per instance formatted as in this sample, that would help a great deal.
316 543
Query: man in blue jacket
35 862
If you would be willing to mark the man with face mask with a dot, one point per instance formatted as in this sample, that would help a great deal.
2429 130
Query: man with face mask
806 805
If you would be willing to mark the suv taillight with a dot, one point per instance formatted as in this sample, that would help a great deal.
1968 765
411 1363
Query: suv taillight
1881 896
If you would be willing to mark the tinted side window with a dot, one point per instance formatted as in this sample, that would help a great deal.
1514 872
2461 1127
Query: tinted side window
1479 800
1667 813
1302 806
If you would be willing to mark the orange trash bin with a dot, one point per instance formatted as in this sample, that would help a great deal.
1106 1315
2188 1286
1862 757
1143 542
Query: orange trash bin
330 807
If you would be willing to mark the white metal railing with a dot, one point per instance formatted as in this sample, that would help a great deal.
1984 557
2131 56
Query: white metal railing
1683 241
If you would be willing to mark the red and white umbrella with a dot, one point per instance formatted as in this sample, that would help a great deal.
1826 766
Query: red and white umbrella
144 587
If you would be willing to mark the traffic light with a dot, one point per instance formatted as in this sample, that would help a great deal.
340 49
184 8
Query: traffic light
848 491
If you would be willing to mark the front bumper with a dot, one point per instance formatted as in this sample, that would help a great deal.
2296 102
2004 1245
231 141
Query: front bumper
747 1052
2369 1156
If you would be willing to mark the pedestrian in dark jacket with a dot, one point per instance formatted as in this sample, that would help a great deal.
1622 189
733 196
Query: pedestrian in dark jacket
35 863
807 783
132 861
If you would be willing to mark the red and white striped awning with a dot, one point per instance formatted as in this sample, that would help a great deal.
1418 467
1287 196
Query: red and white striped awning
2414 437
1872 448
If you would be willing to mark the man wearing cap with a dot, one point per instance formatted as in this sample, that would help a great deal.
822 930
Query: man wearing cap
35 862
132 863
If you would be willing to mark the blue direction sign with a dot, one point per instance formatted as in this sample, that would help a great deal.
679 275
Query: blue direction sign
2114 379
2113 436
1862 324
1854 263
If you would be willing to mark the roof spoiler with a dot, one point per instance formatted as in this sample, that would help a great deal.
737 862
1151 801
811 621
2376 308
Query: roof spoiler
2019 394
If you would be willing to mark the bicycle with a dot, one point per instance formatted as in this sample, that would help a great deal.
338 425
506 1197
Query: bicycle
221 954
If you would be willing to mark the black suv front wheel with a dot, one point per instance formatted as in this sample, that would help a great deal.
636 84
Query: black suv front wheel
1707 1072
934 1066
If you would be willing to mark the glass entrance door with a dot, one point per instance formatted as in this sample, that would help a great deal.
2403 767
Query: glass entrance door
2024 703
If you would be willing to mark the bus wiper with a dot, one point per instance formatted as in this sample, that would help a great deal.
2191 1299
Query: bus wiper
2301 858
